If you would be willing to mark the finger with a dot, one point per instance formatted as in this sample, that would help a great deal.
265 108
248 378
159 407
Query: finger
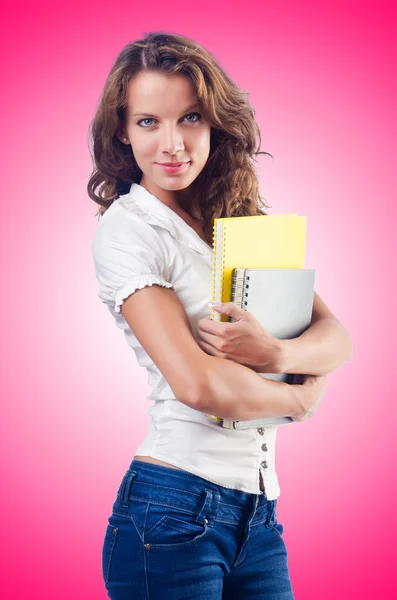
229 308
209 338
209 326
210 349
311 412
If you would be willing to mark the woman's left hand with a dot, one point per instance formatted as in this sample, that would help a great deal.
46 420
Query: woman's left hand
244 341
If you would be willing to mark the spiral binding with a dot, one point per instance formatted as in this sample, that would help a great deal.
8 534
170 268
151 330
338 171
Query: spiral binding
240 284
213 267
219 251
237 286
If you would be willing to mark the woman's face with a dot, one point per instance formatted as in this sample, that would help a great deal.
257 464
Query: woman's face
164 124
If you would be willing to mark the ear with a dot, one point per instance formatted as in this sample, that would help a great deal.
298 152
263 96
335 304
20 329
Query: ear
123 137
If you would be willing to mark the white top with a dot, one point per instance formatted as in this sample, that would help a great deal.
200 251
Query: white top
140 241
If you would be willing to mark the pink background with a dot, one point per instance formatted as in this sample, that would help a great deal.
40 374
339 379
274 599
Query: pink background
321 77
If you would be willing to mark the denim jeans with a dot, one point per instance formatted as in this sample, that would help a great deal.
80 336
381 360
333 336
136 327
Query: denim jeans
175 535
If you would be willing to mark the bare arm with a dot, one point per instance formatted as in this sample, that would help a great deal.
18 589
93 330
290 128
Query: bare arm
208 384
233 391
321 349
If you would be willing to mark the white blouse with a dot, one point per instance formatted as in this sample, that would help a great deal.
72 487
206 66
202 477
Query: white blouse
140 241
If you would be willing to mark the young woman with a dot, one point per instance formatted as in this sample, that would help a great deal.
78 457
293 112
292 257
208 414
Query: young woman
195 512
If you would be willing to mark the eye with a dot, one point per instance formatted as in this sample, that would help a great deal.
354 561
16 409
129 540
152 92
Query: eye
196 114
142 120
188 115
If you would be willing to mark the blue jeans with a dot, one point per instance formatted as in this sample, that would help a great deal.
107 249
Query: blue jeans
175 535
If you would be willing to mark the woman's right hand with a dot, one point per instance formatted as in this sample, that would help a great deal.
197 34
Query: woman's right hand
310 394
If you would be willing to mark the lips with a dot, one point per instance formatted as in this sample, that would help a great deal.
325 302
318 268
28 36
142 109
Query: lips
174 168
173 164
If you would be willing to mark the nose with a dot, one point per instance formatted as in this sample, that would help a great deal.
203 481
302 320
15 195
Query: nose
171 140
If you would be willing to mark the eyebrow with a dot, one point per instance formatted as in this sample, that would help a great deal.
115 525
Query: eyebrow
154 116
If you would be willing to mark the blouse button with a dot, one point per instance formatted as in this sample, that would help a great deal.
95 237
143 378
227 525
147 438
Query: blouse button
264 464
264 447
261 431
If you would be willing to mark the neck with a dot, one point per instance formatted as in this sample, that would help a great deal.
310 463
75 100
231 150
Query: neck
183 202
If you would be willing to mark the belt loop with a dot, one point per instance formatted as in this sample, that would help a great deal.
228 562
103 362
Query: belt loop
210 506
271 513
126 486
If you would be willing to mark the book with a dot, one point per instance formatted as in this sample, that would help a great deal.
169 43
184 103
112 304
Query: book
270 241
282 302
260 241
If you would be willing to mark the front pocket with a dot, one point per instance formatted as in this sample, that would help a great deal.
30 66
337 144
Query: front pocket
170 526
107 550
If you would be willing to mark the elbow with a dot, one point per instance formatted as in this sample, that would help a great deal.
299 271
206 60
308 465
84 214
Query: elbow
197 397
195 391
201 393
195 386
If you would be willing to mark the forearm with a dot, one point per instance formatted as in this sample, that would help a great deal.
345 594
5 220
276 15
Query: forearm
233 391
321 349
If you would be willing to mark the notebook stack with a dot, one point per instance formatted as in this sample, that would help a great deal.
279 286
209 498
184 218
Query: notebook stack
258 264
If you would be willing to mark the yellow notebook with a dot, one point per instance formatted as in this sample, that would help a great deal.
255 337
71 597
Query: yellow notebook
263 241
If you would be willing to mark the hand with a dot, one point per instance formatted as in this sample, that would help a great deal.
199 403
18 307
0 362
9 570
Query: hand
244 341
310 394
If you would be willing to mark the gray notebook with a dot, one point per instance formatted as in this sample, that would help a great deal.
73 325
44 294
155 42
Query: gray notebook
282 301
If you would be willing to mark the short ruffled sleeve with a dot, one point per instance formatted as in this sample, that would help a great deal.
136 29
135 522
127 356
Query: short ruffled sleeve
127 255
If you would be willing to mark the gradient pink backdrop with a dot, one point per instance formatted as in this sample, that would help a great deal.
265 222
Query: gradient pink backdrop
321 77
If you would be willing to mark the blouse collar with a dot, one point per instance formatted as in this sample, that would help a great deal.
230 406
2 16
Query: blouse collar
153 211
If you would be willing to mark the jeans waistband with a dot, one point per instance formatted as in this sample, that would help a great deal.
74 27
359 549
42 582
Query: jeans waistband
148 482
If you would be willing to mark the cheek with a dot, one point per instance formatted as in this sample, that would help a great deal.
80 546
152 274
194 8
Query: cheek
143 146
201 144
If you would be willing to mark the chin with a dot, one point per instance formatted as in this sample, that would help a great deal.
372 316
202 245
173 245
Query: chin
178 183
174 186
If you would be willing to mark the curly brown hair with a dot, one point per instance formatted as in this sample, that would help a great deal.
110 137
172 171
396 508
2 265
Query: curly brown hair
228 185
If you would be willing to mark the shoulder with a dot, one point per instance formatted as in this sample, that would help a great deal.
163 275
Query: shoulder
123 216
122 225
127 255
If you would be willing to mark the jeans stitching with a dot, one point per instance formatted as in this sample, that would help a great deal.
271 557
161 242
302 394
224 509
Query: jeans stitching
111 534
